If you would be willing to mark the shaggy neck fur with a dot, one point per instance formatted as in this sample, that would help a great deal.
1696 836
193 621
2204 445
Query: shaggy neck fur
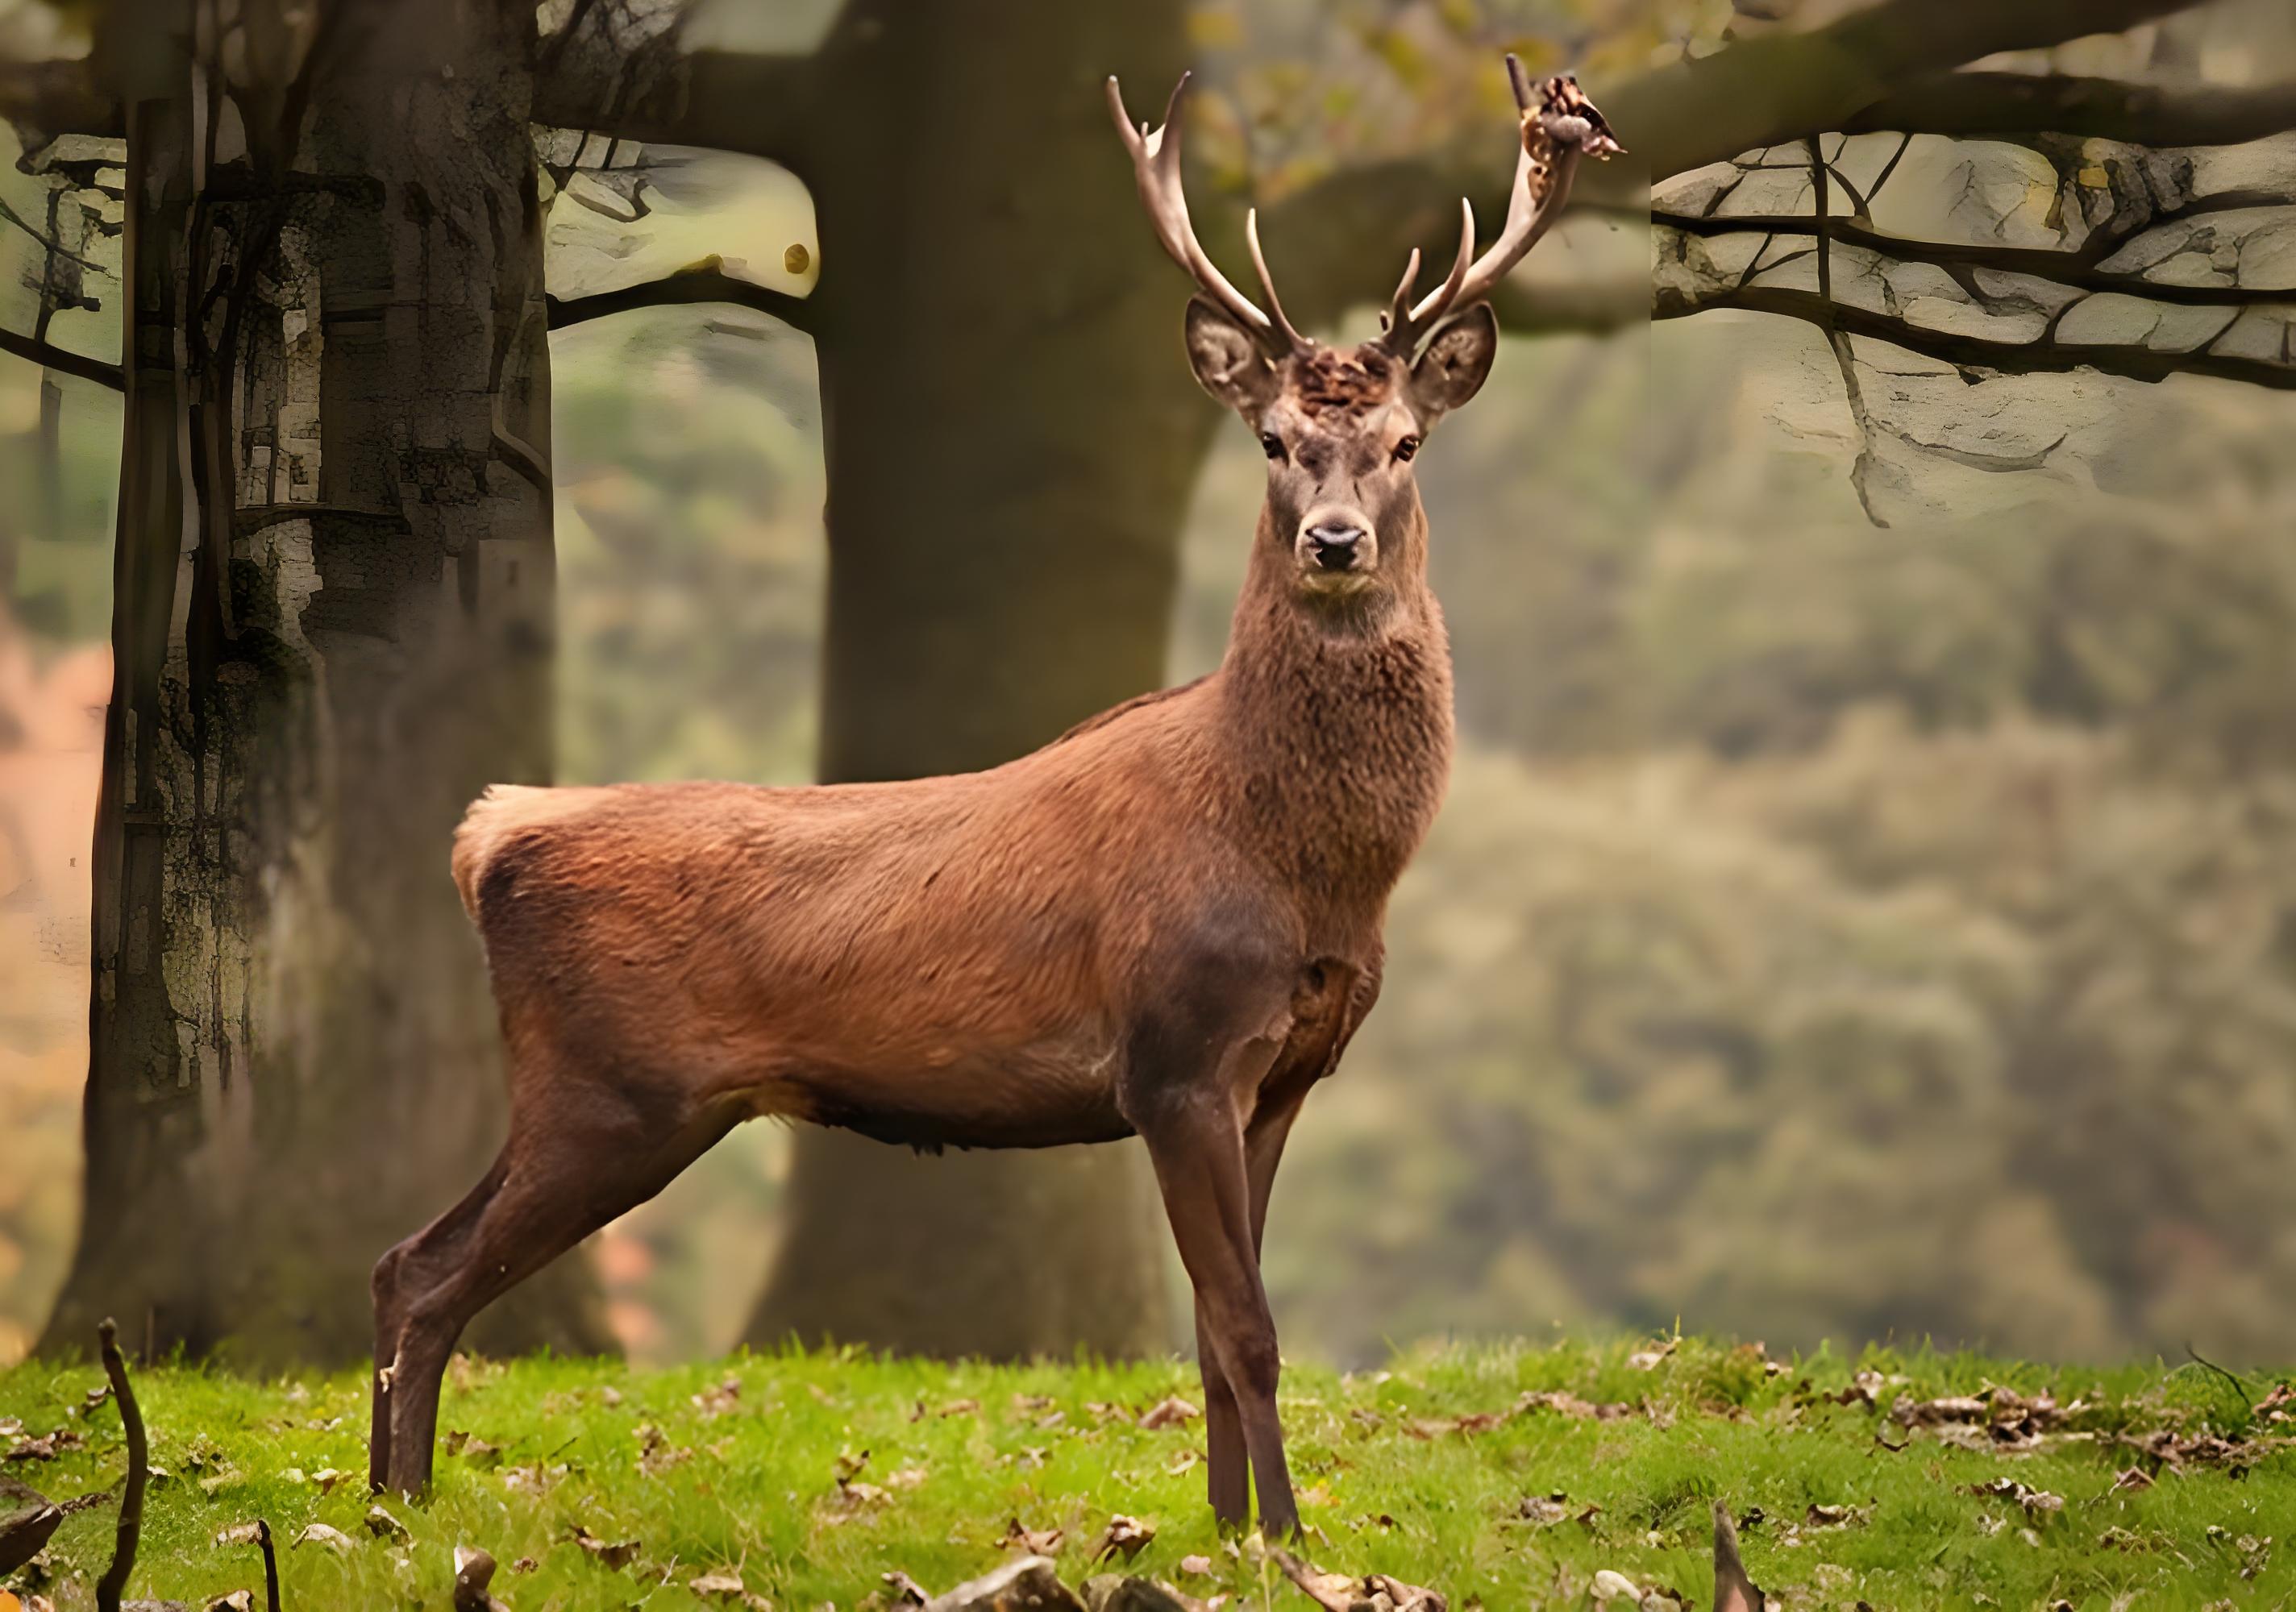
1337 717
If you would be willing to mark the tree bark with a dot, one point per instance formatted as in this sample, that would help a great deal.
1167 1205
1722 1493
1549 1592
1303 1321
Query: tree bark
1012 437
331 628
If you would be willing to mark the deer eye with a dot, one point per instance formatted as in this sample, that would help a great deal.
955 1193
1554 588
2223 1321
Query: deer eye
1272 445
1405 448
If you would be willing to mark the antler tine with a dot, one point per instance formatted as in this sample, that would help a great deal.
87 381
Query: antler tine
1398 307
1156 169
1404 324
1268 282
1560 125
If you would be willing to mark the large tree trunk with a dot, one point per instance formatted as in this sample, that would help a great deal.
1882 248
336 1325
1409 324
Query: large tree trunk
332 629
1013 436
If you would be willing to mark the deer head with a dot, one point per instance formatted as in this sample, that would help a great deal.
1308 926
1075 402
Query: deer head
1341 426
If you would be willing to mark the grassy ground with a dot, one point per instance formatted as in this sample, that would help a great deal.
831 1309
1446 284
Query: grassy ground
809 1476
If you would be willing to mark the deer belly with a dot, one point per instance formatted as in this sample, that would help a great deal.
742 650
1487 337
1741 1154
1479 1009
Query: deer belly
1035 1094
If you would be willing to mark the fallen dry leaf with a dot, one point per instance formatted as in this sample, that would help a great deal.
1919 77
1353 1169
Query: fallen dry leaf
617 1555
382 1524
1571 1405
726 1586
906 1591
319 1533
2037 1503
2131 1480
1375 1592
1124 1536
474 1572
656 1454
715 1403
1029 1584
1168 1412
479 1453
1028 1540
27 1521
49 1445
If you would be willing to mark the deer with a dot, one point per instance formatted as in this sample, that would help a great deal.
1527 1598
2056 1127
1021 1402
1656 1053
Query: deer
1164 924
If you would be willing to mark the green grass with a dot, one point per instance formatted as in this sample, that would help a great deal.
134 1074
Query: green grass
751 1483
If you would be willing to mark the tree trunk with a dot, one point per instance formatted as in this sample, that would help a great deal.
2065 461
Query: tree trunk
1012 437
331 628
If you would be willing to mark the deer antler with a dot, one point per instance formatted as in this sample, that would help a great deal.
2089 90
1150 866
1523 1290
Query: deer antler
1560 128
1156 166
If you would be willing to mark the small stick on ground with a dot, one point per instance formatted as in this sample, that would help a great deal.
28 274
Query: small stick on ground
139 1471
270 1565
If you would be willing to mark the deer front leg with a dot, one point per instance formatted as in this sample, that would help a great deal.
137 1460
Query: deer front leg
1198 1150
1227 1474
1228 1468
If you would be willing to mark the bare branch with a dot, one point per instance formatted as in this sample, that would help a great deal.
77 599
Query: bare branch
2047 354
64 362
703 281
2075 269
2140 114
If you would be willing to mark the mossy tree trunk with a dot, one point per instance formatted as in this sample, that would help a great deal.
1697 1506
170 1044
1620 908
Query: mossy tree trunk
332 625
1012 437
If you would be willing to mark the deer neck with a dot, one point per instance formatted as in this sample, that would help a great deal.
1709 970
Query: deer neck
1337 728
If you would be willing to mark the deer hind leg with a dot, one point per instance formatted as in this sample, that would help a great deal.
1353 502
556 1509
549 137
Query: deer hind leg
573 1162
400 1268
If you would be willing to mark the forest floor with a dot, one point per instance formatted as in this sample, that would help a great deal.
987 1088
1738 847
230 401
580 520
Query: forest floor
1502 1476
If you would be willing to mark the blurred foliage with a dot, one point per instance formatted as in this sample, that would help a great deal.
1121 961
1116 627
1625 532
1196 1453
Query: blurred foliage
1837 932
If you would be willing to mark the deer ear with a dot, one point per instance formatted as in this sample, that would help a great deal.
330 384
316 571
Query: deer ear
1452 369
1228 362
1733 1592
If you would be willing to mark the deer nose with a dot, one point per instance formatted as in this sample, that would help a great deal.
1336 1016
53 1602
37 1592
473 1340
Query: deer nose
1335 547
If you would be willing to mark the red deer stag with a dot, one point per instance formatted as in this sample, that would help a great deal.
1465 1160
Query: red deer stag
1165 923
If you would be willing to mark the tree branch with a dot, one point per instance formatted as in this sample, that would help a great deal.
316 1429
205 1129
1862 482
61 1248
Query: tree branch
728 101
2043 355
58 97
2140 114
703 281
2076 269
1775 89
64 362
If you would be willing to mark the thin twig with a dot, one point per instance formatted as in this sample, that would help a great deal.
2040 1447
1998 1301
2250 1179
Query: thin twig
2247 1394
139 1471
270 1565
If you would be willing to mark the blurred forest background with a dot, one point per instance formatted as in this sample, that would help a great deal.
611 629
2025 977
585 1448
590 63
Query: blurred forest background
1866 900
